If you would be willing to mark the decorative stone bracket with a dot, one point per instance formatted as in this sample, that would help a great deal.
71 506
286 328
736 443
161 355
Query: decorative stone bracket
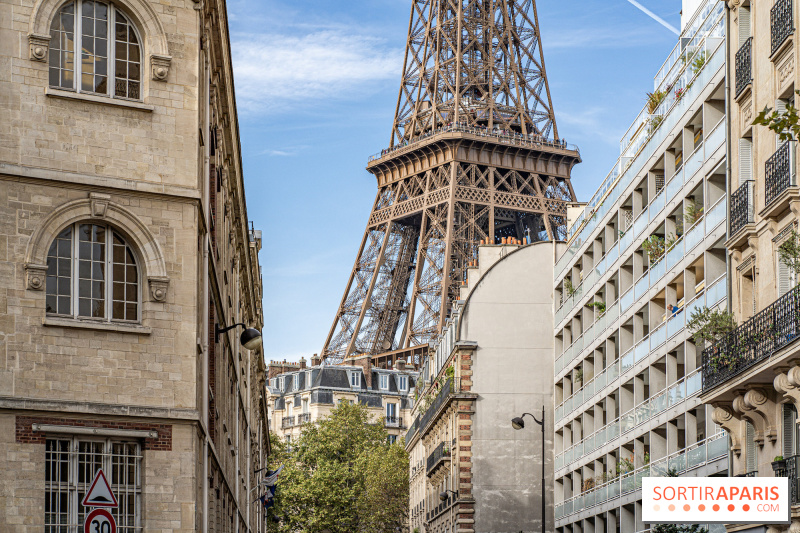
39 44
160 66
35 276
158 287
724 416
757 408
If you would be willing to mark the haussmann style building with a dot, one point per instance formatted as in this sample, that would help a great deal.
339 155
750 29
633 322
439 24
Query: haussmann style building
124 244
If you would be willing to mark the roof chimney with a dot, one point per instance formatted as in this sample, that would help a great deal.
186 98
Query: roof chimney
315 360
400 364
302 363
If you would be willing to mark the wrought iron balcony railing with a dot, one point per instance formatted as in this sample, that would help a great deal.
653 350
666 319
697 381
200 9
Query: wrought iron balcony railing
790 470
742 207
779 172
305 418
752 473
744 66
440 454
782 23
287 422
449 387
752 342
394 422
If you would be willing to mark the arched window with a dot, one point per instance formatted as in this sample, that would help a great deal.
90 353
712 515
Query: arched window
90 43
92 273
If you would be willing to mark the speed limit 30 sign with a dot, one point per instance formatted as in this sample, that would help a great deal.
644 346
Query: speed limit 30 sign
99 521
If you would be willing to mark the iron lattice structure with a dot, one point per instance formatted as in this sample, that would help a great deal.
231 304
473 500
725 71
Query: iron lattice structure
475 156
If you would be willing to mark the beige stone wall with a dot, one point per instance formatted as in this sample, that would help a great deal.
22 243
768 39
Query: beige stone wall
153 367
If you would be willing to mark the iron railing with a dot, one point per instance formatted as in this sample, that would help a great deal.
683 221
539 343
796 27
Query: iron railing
449 387
752 342
744 66
287 422
790 470
304 418
412 430
752 473
742 207
439 454
394 422
779 172
782 23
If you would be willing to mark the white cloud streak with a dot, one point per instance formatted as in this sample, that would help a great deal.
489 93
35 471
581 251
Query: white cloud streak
276 71
655 17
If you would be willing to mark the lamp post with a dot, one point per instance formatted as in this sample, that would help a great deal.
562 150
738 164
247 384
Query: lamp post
250 338
519 423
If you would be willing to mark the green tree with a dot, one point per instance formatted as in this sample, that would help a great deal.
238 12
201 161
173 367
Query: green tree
786 124
709 325
332 475
679 528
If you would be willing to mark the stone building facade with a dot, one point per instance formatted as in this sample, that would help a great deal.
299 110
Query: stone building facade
124 241
470 471
750 376
299 394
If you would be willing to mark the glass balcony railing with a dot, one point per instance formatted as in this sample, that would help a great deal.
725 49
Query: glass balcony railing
626 301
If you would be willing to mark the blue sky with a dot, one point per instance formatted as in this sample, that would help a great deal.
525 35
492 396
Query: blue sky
316 88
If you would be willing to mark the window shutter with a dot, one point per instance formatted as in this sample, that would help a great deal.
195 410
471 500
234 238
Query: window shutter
785 277
744 24
750 451
789 422
780 107
745 161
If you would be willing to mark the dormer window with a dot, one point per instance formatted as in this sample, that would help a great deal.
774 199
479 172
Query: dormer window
402 382
355 380
280 384
297 381
384 382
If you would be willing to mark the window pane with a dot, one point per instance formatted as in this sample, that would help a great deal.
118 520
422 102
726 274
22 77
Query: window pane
127 65
91 281
59 269
62 48
94 46
57 488
126 277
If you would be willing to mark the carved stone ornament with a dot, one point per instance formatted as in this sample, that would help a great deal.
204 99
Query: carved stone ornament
39 44
35 276
99 204
158 288
160 66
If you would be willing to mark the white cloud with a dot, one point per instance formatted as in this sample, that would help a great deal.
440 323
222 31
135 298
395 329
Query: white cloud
275 71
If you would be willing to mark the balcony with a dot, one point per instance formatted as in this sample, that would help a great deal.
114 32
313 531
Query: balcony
305 418
744 66
754 341
287 422
394 422
782 23
742 207
450 387
440 454
790 470
779 172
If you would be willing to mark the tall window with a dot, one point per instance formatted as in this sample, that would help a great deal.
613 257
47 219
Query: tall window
106 46
70 466
355 380
391 411
403 382
384 382
92 273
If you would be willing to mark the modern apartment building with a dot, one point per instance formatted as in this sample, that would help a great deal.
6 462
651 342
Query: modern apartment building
750 376
124 244
300 395
470 470
647 250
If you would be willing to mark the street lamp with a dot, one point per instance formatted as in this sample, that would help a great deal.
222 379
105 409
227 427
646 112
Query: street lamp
519 423
250 338
443 495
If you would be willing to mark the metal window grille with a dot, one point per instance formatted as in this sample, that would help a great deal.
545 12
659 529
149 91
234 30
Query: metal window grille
70 467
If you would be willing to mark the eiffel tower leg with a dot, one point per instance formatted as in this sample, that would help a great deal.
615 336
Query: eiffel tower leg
409 327
447 275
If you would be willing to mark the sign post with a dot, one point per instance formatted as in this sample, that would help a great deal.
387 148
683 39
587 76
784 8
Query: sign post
100 495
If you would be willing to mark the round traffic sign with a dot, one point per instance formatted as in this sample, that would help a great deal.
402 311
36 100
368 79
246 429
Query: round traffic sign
99 521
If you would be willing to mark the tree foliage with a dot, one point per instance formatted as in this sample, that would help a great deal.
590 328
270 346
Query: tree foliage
786 124
709 325
679 528
341 475
789 251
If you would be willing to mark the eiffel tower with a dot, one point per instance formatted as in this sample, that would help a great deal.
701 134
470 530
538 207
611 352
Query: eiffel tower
474 156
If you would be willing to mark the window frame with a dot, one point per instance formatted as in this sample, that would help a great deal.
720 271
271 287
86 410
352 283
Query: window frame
383 381
73 487
111 58
355 380
402 383
108 262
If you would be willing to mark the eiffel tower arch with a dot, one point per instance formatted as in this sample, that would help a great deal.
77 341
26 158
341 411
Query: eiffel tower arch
474 156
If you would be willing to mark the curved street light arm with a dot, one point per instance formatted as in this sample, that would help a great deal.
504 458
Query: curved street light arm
219 331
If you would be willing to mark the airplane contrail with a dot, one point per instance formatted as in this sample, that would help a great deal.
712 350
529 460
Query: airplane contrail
655 17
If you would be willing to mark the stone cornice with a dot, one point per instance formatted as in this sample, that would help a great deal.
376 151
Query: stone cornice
93 408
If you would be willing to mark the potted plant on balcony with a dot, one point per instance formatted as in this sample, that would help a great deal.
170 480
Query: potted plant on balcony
709 325
778 464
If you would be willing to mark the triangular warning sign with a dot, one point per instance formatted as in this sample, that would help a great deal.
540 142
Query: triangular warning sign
99 494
